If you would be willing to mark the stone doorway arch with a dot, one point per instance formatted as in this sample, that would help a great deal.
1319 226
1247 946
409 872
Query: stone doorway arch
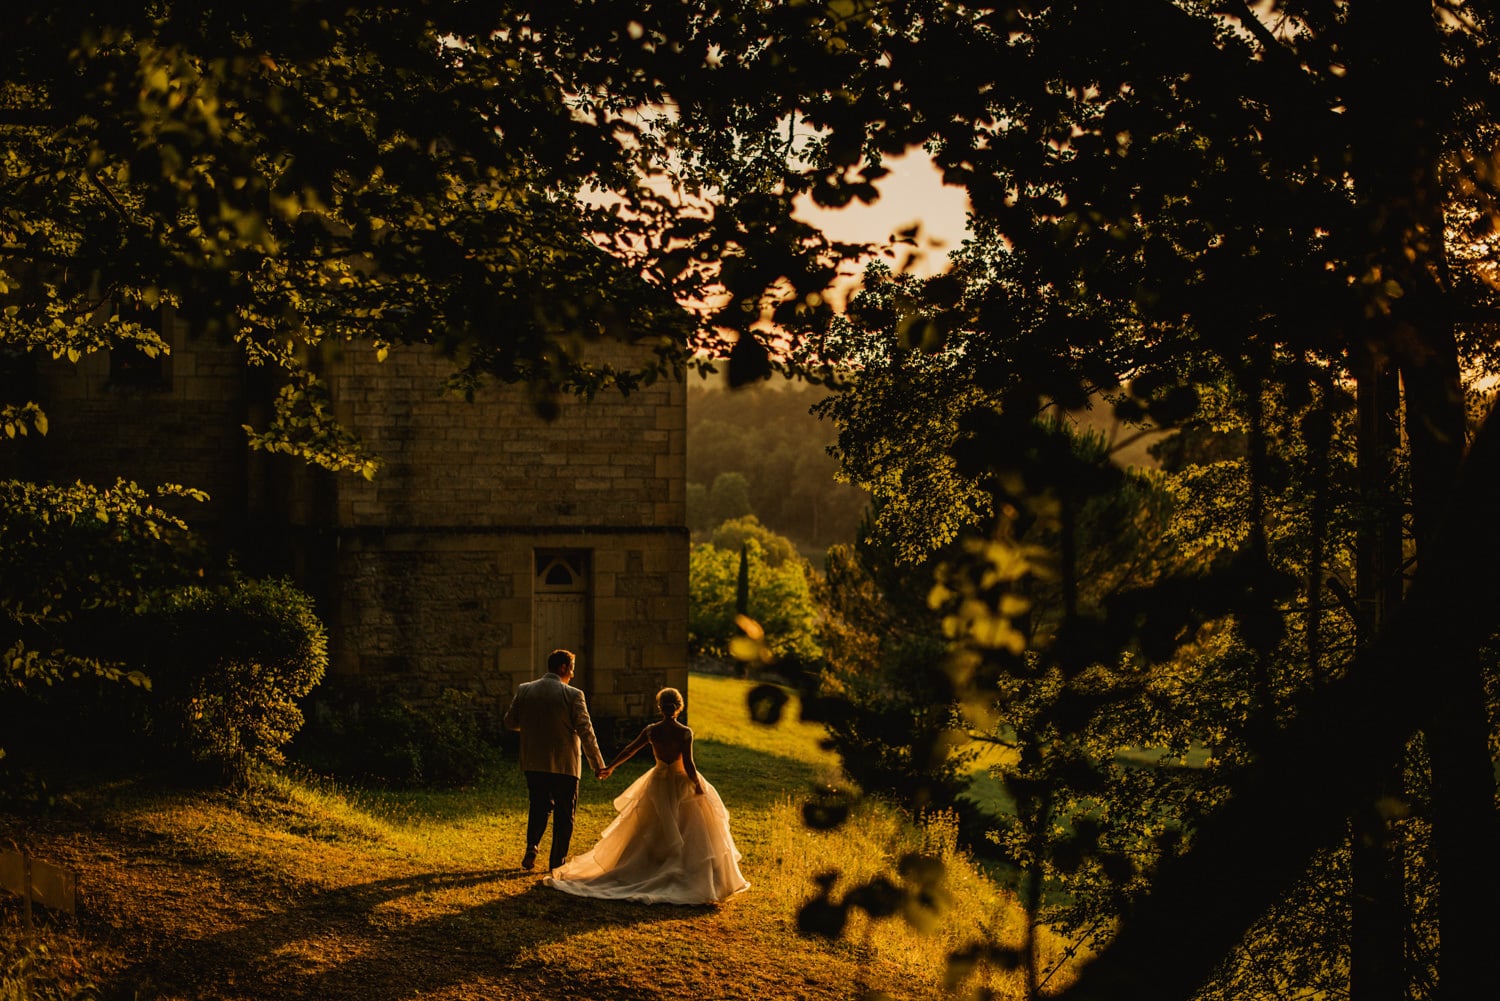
560 610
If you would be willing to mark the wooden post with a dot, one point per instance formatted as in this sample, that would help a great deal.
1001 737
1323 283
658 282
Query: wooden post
26 891
50 885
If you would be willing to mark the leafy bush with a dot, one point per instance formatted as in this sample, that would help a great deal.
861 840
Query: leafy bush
76 562
229 665
401 743
64 712
894 734
893 716
736 532
779 599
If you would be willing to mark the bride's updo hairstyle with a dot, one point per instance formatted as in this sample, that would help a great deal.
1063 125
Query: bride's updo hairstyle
669 701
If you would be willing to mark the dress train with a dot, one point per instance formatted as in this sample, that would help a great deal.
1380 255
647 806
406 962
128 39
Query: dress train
667 845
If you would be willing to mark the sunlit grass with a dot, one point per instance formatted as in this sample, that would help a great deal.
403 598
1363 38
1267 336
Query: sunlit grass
42 965
718 711
368 872
870 844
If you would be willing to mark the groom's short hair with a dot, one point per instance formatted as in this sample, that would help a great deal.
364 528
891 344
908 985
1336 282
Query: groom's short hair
559 659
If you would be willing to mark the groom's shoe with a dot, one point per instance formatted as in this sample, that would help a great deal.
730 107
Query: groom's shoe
529 859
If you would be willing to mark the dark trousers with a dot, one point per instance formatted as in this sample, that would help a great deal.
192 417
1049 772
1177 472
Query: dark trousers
551 794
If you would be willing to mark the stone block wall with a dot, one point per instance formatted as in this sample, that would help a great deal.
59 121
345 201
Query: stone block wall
419 612
426 576
435 572
492 462
183 427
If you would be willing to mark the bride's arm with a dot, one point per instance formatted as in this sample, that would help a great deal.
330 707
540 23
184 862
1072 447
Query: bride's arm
629 752
687 762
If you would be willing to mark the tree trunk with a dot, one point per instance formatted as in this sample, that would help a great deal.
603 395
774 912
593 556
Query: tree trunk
1464 824
1465 836
1394 63
742 584
1377 968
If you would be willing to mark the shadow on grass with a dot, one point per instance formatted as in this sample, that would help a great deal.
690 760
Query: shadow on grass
413 936
751 779
499 933
355 942
746 778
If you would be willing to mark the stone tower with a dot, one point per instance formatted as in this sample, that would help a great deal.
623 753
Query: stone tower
488 538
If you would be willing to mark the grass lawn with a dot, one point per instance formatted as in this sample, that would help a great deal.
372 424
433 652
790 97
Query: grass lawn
304 889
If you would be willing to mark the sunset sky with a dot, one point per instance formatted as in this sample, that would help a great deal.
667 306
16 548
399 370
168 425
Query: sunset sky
912 193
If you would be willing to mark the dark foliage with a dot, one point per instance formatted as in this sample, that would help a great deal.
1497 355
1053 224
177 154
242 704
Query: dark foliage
223 670
392 741
230 666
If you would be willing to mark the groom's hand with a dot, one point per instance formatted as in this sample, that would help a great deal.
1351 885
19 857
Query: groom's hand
601 773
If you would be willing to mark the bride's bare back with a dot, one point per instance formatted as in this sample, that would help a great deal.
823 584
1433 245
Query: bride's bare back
669 740
670 841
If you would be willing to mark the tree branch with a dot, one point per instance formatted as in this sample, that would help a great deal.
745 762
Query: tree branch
110 197
1241 12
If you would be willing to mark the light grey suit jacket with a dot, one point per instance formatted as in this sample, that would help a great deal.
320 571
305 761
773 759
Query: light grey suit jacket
554 722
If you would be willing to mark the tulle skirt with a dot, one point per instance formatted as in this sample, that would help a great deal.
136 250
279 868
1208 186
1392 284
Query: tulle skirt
667 845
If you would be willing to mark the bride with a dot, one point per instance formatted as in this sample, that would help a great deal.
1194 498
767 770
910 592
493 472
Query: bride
670 842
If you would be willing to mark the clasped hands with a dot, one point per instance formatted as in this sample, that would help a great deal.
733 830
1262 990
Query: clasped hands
603 773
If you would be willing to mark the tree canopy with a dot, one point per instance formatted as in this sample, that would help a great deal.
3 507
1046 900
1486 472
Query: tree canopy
501 183
1290 206
505 183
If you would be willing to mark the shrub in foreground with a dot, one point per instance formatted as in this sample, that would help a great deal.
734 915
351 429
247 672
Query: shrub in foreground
229 666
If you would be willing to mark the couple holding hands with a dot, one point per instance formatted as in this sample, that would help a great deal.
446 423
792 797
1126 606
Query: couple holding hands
668 843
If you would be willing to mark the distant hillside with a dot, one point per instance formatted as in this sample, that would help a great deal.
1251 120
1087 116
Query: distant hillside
765 433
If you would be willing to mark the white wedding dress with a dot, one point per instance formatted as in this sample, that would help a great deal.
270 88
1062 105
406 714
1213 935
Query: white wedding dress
668 845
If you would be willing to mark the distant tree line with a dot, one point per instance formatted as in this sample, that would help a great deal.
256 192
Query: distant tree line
759 450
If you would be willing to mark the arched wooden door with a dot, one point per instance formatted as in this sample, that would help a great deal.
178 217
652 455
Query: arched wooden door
559 610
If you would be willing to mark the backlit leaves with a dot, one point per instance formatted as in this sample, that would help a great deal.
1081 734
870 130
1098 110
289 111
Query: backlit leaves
304 426
766 704
21 420
920 898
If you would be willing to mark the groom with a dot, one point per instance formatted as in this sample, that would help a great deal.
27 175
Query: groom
553 720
